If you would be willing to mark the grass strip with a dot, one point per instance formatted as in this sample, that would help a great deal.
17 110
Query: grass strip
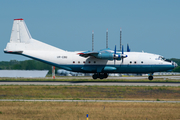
86 79
90 92
96 111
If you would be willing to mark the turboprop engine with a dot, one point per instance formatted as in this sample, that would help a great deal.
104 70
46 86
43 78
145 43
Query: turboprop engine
108 55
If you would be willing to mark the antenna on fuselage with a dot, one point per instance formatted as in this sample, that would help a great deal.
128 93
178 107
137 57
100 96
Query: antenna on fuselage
107 38
92 40
120 38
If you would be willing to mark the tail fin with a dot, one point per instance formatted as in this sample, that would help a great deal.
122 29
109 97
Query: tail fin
21 40
20 33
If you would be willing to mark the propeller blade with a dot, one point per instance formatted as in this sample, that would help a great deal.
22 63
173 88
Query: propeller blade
128 50
115 50
122 50
122 54
114 55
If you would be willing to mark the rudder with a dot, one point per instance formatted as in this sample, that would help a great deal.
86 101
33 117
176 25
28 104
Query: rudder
20 32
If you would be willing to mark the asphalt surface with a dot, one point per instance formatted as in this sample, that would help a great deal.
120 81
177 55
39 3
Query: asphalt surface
111 77
146 83
21 100
92 83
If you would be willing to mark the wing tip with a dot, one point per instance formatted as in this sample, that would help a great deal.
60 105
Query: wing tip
19 19
80 53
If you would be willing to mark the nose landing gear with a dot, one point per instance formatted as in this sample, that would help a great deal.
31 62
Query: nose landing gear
150 77
100 75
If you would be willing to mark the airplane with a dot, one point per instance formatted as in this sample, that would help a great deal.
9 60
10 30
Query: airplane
100 63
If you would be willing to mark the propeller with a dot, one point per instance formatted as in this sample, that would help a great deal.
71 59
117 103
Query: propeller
123 55
115 56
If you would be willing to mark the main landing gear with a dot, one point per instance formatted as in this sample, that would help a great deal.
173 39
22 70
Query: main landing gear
150 77
100 75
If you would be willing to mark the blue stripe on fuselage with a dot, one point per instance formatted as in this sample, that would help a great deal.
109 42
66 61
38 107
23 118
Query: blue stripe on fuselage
123 68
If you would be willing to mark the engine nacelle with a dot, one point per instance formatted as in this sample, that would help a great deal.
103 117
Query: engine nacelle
108 56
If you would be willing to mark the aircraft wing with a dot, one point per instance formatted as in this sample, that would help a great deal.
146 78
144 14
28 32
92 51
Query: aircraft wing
88 53
106 54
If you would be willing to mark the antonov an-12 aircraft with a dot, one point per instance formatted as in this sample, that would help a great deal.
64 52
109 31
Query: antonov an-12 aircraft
99 63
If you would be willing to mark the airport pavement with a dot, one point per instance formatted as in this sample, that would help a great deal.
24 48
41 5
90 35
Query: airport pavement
21 100
111 77
92 83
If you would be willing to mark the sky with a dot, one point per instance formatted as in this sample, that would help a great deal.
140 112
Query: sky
151 26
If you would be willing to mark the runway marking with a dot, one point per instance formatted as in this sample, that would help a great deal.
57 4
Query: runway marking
138 101
92 83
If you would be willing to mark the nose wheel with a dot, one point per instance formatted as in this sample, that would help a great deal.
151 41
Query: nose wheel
150 77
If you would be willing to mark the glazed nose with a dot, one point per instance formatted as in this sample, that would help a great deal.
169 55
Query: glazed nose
175 64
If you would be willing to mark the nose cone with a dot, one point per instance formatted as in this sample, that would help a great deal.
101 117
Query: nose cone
175 64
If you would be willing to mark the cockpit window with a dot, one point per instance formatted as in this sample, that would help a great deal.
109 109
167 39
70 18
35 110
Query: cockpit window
167 60
164 59
161 58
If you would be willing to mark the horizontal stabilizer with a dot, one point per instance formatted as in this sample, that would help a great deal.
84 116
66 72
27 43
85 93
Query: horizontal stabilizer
16 52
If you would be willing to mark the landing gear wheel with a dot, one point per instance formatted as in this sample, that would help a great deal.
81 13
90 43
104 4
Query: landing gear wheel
101 76
94 76
150 77
105 75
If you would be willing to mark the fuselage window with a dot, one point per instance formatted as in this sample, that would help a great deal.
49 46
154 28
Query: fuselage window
73 61
141 61
94 61
78 61
89 61
130 61
134 62
83 61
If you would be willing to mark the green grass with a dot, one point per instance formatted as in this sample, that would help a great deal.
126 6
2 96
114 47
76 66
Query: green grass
80 79
89 92
158 99
95 110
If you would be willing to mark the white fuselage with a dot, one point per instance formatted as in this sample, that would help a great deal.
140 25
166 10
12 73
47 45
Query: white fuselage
73 62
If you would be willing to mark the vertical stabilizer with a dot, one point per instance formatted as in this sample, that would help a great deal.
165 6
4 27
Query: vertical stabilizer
21 40
20 32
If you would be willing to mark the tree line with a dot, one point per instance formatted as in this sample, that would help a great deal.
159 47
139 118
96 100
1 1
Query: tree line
25 65
37 65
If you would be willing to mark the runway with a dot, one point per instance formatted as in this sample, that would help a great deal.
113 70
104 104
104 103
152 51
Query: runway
92 83
138 101
127 78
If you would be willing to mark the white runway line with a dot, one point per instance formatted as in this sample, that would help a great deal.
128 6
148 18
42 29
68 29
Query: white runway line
92 83
21 100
